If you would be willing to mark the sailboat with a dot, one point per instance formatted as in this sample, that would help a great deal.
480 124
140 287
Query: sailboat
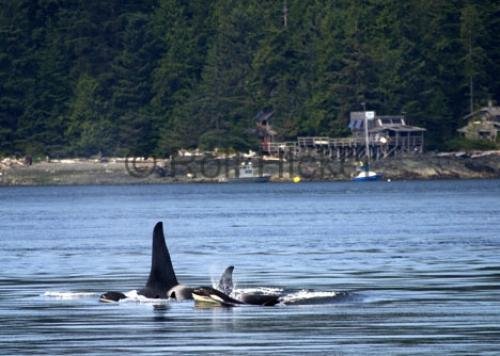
365 174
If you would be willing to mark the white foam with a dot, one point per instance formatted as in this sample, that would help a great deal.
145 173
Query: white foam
258 290
133 296
304 294
68 295
215 282
262 290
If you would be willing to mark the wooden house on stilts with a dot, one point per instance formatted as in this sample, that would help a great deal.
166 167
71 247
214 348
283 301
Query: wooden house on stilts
388 136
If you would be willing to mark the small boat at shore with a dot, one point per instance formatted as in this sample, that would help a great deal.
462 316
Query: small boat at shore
246 174
366 175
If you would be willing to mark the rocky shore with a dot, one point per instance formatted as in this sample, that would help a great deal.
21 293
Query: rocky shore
454 165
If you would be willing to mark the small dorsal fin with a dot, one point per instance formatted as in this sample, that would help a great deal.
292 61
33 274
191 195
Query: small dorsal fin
226 281
162 276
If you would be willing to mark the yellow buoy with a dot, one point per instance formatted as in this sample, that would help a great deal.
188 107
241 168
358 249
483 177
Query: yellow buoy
296 179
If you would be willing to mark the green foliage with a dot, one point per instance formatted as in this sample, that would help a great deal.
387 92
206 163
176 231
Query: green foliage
123 77
88 130
458 144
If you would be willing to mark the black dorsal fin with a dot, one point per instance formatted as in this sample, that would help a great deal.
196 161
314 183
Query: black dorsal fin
162 276
226 281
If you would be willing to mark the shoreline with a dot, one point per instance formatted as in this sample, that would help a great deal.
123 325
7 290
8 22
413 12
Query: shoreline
79 171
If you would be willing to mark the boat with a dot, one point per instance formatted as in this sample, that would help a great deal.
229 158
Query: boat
365 174
246 174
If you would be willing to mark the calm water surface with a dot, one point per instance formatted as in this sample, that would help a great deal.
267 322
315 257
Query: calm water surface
419 262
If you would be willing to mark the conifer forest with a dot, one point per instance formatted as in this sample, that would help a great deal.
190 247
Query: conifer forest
120 77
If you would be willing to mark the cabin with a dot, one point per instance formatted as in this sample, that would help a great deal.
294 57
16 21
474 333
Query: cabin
264 130
390 130
482 124
387 136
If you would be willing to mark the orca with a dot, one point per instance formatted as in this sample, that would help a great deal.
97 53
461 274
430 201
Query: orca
112 296
221 294
209 295
161 276
225 285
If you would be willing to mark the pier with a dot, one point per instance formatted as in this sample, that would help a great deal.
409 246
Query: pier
349 148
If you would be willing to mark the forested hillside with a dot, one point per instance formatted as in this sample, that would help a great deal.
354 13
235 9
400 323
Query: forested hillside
81 77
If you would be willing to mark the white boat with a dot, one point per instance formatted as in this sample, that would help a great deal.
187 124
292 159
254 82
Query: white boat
246 174
365 174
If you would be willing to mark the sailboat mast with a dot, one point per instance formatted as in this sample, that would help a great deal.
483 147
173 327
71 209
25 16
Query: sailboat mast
367 143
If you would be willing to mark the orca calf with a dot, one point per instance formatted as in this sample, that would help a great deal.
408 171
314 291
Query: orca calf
111 296
221 294
161 277
225 285
209 295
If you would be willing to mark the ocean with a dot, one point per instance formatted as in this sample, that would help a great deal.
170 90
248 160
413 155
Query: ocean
407 267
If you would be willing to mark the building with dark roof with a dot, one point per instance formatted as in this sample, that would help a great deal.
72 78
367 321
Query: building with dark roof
391 130
482 124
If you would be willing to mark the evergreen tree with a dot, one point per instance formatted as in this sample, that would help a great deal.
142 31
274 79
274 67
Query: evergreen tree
475 59
89 130
117 77
18 70
183 29
283 66
491 43
131 89
225 100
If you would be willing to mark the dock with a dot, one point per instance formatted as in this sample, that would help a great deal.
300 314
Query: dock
349 148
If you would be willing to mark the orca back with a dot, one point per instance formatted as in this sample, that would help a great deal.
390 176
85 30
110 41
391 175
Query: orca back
267 300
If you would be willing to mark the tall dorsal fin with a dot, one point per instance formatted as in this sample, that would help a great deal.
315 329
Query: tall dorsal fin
162 276
226 281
